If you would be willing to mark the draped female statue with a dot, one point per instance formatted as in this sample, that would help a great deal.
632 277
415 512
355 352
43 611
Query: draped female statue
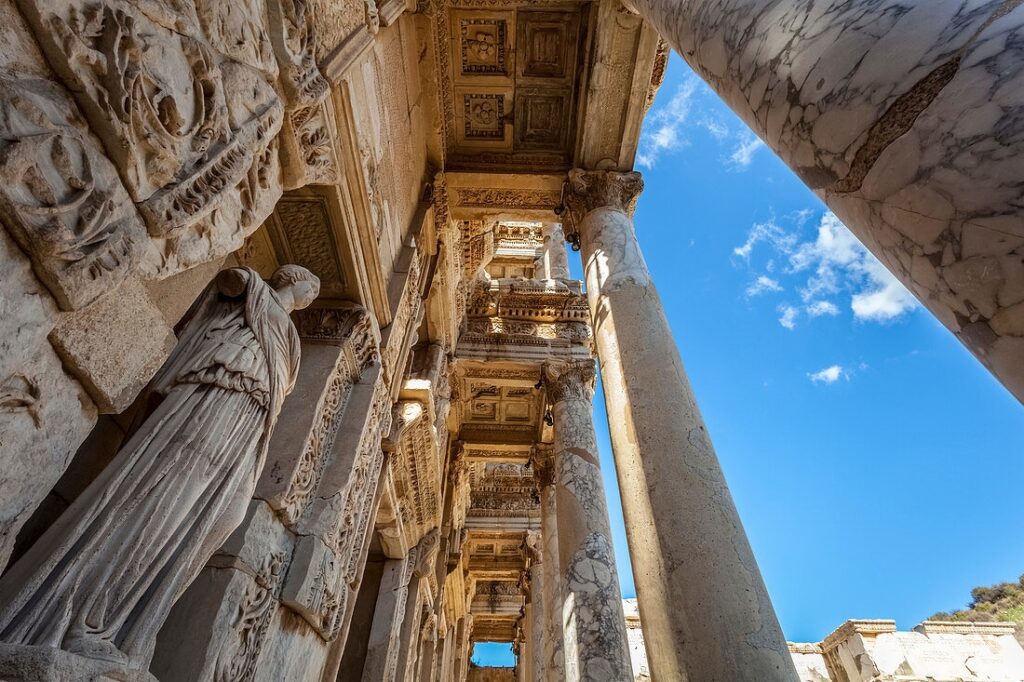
101 581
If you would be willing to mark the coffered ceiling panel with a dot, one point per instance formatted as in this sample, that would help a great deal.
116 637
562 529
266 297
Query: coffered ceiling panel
513 83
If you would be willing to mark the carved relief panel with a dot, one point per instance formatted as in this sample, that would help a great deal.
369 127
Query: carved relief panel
61 198
191 133
510 85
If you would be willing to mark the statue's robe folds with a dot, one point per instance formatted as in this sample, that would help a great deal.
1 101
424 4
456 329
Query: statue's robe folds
101 581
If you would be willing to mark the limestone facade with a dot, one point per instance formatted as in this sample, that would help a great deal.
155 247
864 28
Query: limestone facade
207 475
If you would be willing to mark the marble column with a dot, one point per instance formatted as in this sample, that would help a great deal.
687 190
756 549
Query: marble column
538 618
555 260
553 668
594 625
705 610
905 117
461 657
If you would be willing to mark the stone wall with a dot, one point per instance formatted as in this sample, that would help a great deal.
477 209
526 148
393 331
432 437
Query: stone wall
482 674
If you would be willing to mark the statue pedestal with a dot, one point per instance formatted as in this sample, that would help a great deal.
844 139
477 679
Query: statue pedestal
44 664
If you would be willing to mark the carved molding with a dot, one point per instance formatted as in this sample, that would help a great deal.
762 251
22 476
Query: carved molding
506 198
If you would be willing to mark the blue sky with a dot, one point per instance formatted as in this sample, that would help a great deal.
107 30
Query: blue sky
875 463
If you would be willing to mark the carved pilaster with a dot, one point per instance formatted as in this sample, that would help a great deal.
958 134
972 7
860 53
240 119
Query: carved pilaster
570 380
252 620
589 190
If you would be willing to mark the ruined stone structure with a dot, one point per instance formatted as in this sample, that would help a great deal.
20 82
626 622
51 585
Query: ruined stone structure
873 651
204 477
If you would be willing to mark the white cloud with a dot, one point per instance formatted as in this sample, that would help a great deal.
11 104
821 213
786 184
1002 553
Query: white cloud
769 232
689 113
886 299
762 285
819 308
829 375
746 145
788 317
718 130
663 128
837 263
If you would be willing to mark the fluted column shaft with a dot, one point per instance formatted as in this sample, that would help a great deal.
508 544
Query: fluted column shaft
705 610
595 632
553 669
904 116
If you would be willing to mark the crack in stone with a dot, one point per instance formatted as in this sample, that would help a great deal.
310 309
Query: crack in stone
901 115
895 122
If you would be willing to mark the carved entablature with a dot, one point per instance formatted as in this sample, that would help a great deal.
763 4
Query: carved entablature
497 330
538 300
503 489
348 326
60 198
507 199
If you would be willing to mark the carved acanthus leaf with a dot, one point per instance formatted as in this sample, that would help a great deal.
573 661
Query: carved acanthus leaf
570 380
589 190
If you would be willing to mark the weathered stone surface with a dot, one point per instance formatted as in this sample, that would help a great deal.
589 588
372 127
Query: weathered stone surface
115 346
32 663
44 415
176 294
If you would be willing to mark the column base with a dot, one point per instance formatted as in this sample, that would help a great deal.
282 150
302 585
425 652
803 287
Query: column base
45 664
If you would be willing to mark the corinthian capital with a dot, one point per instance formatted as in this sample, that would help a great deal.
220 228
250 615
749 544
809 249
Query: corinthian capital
570 380
589 190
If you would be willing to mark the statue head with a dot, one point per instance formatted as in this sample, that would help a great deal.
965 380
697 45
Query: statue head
296 286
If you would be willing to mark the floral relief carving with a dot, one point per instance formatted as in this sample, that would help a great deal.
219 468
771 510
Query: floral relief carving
61 199
251 622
